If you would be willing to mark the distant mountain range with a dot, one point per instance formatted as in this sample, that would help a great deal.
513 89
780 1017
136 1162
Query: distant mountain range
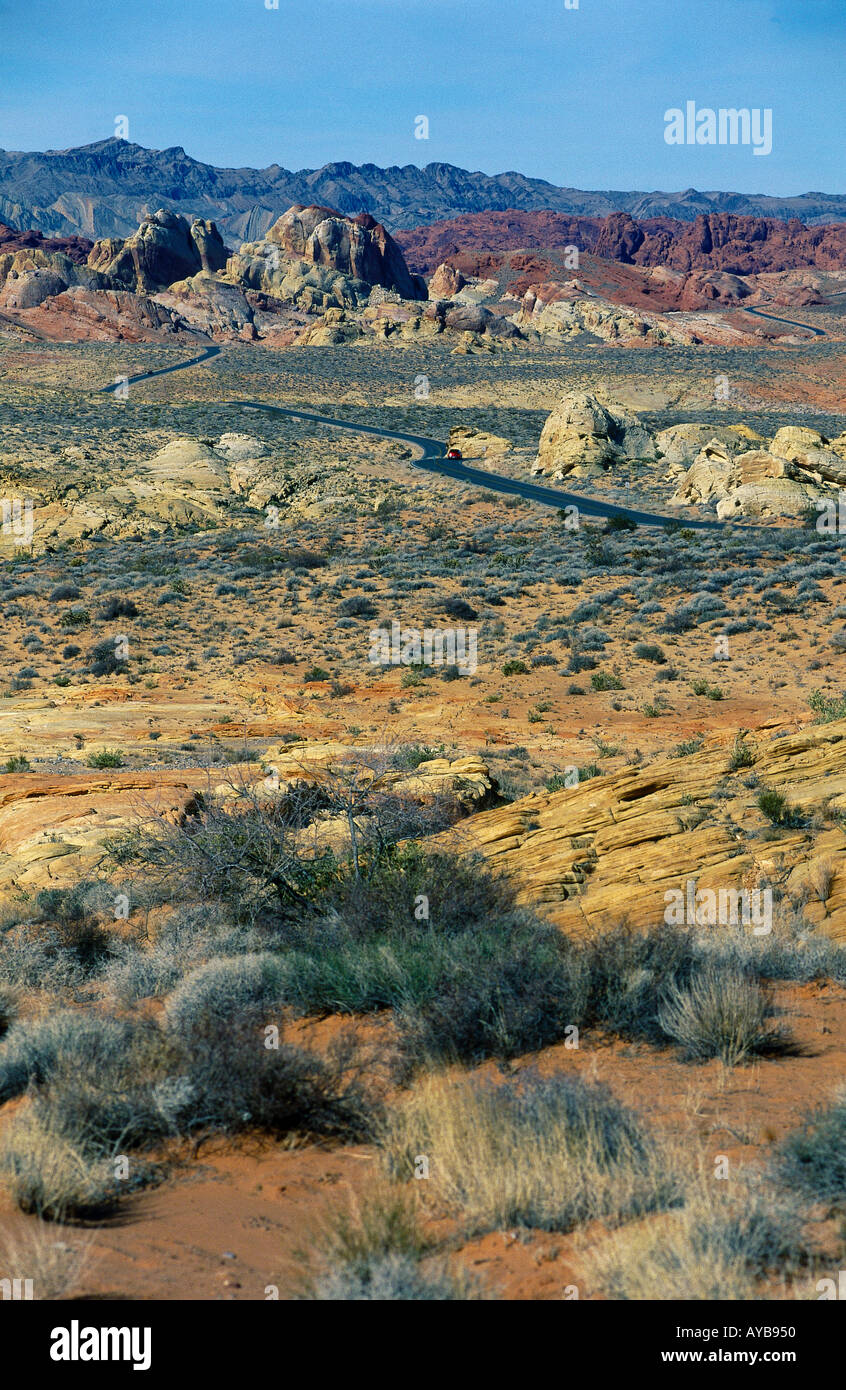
104 189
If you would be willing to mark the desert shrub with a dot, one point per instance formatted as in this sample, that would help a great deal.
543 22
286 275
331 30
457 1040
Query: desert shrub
812 1159
774 805
515 667
372 1249
471 977
8 1007
593 639
31 1051
720 1245
688 746
580 661
216 994
18 762
359 607
247 859
187 938
75 617
106 757
299 557
547 1153
50 1176
232 1081
64 592
32 958
827 708
394 1279
119 608
461 895
69 651
510 991
650 651
722 1014
630 972
411 755
604 680
741 754
456 607
103 659
55 1267
74 915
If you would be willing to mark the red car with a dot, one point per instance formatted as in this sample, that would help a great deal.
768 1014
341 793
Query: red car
453 453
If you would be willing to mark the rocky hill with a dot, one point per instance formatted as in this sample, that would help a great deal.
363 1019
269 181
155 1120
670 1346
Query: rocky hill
175 276
105 189
727 242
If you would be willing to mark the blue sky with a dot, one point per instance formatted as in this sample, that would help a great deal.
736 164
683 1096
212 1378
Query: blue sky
576 96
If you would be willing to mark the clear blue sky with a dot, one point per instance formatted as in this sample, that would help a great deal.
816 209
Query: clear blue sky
576 96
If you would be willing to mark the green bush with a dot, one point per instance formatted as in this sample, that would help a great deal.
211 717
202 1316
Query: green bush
741 754
650 651
776 808
107 757
812 1159
604 680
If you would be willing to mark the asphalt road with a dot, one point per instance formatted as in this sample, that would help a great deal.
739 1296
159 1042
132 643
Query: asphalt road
431 459
759 313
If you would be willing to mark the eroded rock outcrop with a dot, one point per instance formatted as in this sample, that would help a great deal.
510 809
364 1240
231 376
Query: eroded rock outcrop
320 259
583 432
166 248
786 479
609 849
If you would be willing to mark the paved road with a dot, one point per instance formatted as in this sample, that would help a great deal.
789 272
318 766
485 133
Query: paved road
817 332
163 371
431 459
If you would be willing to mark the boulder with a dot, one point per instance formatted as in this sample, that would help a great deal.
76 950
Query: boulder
681 444
772 497
166 248
235 448
446 281
753 483
809 451
582 431
476 444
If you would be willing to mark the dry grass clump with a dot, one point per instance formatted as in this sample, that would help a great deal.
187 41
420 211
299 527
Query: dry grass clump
730 1241
725 1014
49 1174
547 1153
54 1266
372 1249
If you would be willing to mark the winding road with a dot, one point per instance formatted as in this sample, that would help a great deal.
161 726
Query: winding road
431 458
794 323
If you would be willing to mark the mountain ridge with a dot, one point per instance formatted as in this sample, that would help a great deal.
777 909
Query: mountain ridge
107 187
